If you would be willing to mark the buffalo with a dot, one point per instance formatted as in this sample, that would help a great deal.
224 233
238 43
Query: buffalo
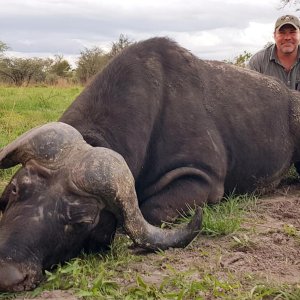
156 132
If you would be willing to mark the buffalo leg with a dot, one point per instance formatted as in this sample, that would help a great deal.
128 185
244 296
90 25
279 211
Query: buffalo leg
175 198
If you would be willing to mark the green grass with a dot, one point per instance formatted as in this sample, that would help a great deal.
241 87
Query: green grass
112 275
24 108
109 276
225 217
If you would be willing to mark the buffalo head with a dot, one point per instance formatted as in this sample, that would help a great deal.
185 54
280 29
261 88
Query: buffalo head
66 197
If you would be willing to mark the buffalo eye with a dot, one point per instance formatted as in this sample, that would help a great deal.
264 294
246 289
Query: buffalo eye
14 189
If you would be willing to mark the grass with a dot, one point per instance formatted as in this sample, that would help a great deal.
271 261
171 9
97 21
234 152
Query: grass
225 217
24 108
113 275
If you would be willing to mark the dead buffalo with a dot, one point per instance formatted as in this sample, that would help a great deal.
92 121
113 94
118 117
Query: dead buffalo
156 131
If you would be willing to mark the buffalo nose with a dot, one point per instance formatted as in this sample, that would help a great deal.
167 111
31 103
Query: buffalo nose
11 278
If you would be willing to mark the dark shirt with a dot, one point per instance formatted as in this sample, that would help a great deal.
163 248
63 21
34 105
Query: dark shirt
266 62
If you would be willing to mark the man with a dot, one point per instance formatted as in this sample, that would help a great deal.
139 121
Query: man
282 59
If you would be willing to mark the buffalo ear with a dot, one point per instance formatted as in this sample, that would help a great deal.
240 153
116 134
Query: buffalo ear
83 213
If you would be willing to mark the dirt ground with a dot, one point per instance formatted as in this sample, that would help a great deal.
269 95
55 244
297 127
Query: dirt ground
268 247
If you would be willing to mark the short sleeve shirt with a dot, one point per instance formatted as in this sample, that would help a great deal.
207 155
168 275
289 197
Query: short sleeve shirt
266 62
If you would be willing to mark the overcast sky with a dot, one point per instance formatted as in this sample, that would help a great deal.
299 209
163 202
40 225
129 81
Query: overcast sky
211 29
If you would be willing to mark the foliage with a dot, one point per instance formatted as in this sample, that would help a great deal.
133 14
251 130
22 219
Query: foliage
223 218
60 66
240 60
117 47
21 71
226 217
3 48
90 62
93 60
58 69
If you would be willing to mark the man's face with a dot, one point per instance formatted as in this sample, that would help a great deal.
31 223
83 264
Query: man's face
287 39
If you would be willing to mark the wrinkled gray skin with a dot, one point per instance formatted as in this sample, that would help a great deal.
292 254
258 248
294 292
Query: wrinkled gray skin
158 130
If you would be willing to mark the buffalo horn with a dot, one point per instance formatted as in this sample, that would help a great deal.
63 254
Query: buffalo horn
48 145
105 174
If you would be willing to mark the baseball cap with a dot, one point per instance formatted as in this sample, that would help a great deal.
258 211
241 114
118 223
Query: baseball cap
287 19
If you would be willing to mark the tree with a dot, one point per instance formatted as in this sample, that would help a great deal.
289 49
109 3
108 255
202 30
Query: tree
22 70
90 62
240 60
60 66
118 46
3 47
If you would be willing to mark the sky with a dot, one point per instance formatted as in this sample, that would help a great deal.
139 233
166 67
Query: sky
211 29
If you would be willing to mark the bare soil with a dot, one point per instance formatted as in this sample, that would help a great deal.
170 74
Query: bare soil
266 249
